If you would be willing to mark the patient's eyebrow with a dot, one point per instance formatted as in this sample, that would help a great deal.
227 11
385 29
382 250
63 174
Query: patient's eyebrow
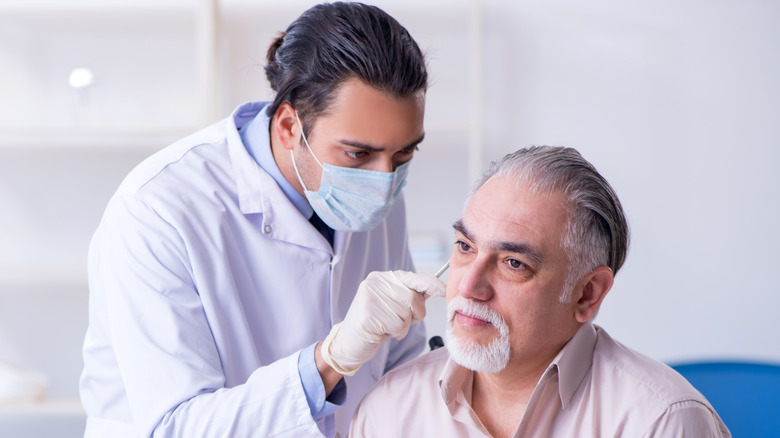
461 228
521 248
516 247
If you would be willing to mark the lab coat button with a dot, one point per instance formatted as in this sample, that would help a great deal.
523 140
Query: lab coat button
267 229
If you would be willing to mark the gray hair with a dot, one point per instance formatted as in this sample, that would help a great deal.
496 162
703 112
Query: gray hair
597 232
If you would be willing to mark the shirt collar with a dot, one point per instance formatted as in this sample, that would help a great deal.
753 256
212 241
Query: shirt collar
455 380
456 383
255 135
571 364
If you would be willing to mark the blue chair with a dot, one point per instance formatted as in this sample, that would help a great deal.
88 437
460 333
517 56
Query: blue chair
746 395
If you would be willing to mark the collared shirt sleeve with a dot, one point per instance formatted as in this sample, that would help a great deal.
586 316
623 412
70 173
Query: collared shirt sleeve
319 405
686 419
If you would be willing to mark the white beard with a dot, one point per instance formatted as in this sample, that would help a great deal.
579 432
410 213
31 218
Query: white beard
490 358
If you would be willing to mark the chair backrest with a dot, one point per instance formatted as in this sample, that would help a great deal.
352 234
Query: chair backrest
745 395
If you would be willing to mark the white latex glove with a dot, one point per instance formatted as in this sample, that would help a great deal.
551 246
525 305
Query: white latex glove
385 306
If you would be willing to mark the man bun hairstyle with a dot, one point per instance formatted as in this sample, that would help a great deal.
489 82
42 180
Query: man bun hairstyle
333 42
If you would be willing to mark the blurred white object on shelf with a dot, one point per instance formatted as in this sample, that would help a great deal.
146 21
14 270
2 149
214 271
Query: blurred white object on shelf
21 385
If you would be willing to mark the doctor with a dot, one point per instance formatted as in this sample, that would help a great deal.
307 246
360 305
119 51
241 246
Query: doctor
229 279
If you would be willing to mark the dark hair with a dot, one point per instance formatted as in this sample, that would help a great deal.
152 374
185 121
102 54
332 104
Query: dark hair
333 42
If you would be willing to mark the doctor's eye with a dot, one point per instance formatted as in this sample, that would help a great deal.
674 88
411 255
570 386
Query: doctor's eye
356 155
409 149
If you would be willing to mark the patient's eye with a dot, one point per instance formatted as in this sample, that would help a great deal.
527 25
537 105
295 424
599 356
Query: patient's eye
462 246
515 264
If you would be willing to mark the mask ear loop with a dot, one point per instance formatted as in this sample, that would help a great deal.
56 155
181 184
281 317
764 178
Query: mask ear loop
306 142
298 174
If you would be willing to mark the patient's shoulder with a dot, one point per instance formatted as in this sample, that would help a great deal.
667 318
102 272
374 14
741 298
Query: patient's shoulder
428 366
420 373
405 389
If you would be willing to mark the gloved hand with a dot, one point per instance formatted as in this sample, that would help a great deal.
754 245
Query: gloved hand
385 306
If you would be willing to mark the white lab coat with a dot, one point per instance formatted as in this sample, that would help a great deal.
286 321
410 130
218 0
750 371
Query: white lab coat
205 283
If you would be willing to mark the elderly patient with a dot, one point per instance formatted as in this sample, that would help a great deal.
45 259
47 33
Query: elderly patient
535 254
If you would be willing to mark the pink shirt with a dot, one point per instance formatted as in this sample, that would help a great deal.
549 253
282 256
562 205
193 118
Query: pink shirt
595 387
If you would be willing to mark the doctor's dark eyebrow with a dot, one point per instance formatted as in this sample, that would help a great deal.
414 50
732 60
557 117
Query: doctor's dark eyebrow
371 148
515 247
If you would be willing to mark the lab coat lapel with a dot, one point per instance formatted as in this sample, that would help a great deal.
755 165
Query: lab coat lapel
340 302
258 193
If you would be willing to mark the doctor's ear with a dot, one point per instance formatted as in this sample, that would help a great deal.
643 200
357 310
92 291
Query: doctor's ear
285 126
596 285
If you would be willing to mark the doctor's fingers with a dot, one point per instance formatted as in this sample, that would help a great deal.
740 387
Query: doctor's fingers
391 305
407 305
390 318
422 283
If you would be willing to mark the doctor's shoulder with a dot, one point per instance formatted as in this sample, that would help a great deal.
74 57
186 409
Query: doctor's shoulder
176 166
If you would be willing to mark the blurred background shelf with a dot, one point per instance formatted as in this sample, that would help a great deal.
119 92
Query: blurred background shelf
85 138
151 66
62 418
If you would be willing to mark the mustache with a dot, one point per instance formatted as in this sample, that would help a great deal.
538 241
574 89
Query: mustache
476 310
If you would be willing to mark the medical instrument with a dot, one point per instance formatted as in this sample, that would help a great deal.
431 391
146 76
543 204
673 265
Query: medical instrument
443 269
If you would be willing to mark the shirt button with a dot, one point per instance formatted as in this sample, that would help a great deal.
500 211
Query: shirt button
338 435
267 229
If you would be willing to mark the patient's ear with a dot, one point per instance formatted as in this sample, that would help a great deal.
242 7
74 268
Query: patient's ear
592 292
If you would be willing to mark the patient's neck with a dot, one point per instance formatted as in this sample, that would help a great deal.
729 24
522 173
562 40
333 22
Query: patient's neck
500 399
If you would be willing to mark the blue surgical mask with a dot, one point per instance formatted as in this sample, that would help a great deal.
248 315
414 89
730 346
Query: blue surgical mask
352 199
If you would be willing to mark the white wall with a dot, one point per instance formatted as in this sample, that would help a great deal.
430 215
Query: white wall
676 102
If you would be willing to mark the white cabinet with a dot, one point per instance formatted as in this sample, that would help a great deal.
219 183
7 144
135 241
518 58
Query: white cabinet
151 67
